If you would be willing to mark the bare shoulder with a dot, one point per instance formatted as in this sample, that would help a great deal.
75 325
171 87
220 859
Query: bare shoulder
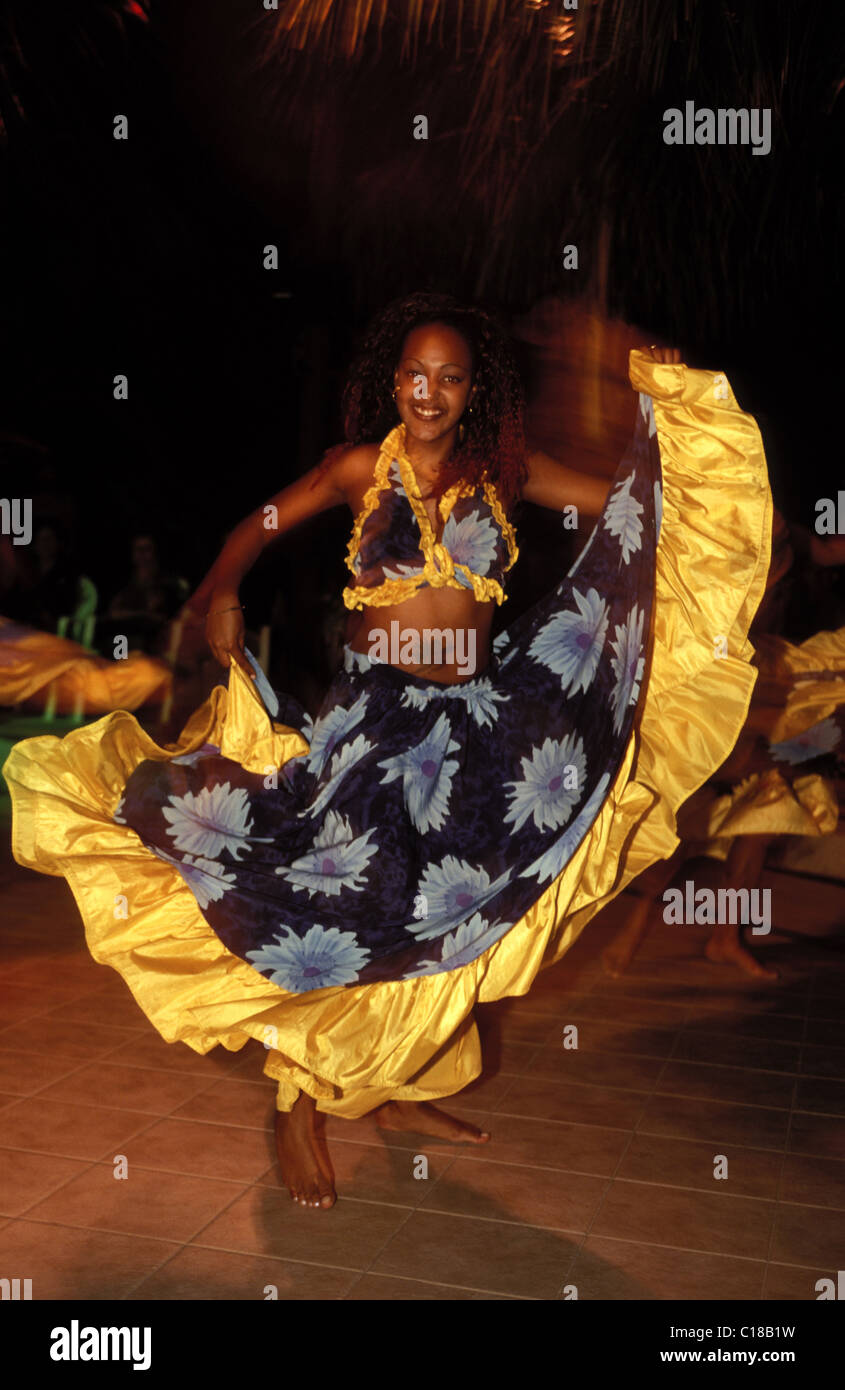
353 472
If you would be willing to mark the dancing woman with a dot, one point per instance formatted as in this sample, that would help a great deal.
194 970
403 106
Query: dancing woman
346 891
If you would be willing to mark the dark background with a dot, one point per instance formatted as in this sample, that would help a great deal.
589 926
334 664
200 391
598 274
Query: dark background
145 256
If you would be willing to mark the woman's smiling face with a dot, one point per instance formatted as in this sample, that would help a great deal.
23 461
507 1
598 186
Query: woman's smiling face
434 380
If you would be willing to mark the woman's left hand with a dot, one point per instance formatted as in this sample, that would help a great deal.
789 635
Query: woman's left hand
665 354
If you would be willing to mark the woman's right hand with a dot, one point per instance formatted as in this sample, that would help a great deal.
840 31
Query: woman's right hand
224 630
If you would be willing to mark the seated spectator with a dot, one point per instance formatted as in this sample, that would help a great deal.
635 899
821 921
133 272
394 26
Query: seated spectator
143 608
45 583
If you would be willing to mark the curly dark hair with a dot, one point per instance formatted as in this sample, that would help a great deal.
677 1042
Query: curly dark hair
493 447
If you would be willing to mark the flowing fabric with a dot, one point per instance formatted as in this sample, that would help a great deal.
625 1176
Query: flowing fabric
32 664
799 708
347 892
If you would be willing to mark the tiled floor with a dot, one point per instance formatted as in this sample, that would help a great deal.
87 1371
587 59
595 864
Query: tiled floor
600 1173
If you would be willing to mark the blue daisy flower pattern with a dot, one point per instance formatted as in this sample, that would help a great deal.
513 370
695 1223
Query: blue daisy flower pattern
472 541
558 855
622 517
479 696
551 784
341 764
207 879
338 859
323 958
571 644
395 477
214 819
646 406
451 887
576 565
426 774
462 946
426 820
331 729
627 664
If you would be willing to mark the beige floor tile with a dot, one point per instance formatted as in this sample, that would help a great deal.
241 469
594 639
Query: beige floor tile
683 1163
103 1008
734 1084
796 1283
267 1222
229 1102
813 1181
722 1049
633 985
824 1032
812 1236
823 1097
717 1223
387 1288
823 1061
75 1131
573 1103
487 1093
228 1152
507 1192
526 1028
126 1088
596 1068
25 1178
17 1004
827 1005
817 1134
595 1035
148 1049
24 1073
508 1058
167 1206
620 1270
55 1038
682 1118
471 1253
621 1009
217 1275
78 1265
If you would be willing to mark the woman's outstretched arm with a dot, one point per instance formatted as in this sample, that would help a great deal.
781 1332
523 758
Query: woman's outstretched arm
216 599
552 484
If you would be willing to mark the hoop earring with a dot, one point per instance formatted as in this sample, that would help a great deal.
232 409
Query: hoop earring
461 432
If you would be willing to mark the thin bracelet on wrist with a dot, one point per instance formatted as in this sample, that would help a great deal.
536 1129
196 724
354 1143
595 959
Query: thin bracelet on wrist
233 609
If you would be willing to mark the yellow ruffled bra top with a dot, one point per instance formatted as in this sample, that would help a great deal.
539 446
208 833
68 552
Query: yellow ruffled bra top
394 550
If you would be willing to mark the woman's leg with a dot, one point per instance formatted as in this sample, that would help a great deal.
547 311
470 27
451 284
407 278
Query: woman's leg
425 1118
743 868
303 1157
618 955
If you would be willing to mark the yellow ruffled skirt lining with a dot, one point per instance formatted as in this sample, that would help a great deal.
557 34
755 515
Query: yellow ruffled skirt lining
353 1048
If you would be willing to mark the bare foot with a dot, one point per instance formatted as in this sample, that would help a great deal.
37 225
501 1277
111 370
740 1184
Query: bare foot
303 1160
424 1118
729 950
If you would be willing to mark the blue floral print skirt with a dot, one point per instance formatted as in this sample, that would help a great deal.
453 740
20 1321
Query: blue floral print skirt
425 817
347 890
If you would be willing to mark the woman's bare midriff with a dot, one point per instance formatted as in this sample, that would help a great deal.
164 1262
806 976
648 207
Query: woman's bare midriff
420 634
